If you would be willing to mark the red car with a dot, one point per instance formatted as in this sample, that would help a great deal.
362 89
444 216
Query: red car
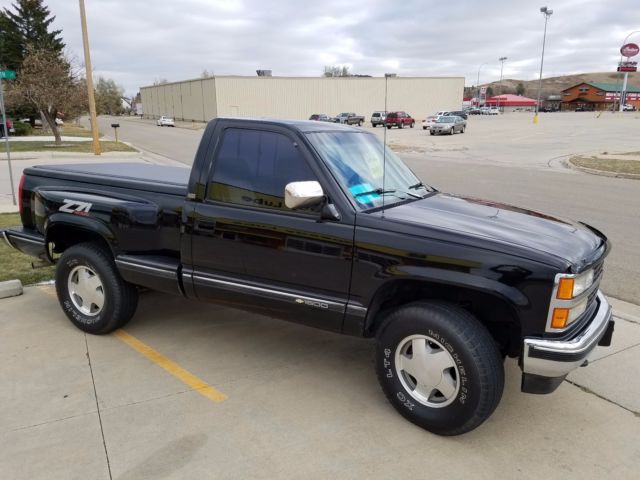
399 119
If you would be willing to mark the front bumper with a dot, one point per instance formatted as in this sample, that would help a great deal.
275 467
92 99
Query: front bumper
545 363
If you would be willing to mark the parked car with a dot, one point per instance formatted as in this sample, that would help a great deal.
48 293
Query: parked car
399 119
349 118
290 225
427 122
6 128
165 121
628 108
377 118
493 111
449 124
460 113
321 117
475 111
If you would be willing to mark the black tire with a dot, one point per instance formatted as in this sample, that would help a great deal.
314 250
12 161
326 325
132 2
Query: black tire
120 299
476 367
424 128
374 125
413 124
453 131
360 123
432 133
388 127
462 130
401 125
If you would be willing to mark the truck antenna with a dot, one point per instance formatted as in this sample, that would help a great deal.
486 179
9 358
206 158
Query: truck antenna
384 147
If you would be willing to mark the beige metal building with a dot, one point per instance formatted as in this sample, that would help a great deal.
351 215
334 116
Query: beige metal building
299 97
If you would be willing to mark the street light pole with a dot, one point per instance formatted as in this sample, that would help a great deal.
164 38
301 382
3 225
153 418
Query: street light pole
547 13
87 63
501 60
478 84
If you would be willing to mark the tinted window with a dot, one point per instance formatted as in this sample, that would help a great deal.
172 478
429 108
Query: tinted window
253 167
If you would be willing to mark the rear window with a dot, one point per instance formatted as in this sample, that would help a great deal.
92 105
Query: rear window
375 115
393 114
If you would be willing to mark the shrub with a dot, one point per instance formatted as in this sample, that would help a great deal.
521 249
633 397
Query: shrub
22 129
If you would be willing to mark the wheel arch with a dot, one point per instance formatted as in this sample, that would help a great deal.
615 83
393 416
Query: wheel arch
495 311
71 230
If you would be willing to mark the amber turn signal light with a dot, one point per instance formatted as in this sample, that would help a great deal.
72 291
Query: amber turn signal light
560 317
565 289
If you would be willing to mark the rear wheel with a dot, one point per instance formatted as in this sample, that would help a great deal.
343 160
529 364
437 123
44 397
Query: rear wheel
413 124
360 123
424 128
432 133
401 125
439 367
91 291
388 127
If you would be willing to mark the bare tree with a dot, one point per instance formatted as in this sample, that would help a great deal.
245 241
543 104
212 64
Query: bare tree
48 83
336 71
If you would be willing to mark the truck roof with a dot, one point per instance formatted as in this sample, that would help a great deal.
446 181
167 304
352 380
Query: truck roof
304 126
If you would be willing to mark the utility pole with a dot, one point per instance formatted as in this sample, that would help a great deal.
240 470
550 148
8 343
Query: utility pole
626 75
501 60
87 64
547 13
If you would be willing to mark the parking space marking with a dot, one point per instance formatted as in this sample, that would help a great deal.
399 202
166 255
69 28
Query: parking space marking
171 367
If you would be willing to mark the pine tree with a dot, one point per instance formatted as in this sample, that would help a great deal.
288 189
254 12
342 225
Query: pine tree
27 27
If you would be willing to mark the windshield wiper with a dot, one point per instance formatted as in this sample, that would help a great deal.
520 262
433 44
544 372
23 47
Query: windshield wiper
379 191
421 185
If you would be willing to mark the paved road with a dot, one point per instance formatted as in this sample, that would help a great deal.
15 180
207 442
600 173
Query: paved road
517 172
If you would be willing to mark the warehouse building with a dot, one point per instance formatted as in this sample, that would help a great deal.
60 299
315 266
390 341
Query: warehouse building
299 97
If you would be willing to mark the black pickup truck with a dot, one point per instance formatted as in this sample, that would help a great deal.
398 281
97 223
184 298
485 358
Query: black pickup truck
312 222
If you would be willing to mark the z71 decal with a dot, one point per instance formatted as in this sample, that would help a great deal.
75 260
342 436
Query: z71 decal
76 207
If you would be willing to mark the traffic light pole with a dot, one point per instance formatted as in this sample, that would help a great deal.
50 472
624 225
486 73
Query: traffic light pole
6 141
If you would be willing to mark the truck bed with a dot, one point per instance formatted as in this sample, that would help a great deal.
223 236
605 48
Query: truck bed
138 176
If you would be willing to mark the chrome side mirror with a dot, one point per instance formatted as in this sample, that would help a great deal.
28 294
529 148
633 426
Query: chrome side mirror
303 194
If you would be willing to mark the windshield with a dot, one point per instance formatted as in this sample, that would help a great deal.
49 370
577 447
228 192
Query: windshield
446 120
356 161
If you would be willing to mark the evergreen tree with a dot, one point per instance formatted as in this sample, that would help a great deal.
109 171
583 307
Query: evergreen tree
26 27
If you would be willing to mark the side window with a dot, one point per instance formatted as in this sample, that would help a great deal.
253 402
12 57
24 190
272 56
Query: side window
253 167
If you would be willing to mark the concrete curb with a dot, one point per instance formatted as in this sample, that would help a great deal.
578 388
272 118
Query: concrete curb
10 288
603 173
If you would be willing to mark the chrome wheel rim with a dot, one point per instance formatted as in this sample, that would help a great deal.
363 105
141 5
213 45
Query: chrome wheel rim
86 291
427 371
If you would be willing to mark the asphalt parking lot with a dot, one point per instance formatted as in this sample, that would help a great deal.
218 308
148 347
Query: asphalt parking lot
191 390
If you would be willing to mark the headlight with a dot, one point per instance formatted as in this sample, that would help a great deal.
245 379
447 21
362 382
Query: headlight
571 287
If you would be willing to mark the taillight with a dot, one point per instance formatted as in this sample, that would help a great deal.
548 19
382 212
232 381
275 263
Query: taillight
20 195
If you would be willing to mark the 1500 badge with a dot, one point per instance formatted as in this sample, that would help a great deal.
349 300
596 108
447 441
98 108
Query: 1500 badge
76 207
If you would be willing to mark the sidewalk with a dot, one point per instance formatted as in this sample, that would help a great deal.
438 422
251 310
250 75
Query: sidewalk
22 160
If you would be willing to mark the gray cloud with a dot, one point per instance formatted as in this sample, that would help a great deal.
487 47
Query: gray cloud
138 41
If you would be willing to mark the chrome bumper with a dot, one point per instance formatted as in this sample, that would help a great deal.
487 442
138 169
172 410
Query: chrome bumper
556 358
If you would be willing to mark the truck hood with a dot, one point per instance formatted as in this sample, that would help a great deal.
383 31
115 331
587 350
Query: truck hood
570 241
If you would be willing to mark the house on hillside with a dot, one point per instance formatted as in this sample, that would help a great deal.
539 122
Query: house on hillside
511 103
595 96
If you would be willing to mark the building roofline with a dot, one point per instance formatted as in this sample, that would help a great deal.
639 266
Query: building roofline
299 78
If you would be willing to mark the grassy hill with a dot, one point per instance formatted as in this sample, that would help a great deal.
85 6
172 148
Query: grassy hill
555 85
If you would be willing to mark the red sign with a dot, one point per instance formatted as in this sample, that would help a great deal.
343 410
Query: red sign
628 66
629 50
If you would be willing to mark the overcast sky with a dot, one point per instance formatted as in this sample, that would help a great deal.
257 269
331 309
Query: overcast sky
138 41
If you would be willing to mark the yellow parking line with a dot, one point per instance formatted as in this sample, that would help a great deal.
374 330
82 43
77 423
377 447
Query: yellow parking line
173 368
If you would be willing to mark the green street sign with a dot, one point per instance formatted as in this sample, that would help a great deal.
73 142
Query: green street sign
8 74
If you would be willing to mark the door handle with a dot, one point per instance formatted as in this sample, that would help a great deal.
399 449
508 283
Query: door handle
208 227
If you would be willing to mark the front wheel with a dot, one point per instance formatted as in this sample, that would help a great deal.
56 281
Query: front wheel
401 125
462 130
424 128
388 127
360 123
91 291
439 367
413 124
